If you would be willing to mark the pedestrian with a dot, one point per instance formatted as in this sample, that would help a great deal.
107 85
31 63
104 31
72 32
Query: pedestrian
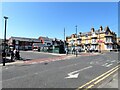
66 51
38 49
74 51
79 50
17 54
3 55
12 55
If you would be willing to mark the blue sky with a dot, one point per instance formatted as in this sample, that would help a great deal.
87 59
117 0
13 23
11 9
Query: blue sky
34 19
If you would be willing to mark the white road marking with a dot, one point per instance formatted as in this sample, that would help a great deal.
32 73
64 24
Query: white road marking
97 62
113 61
105 64
73 75
109 65
118 62
91 62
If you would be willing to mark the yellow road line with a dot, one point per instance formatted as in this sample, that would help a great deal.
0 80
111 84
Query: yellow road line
90 86
102 78
106 76
97 78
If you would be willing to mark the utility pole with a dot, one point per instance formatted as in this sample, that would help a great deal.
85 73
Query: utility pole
64 39
76 31
65 46
76 40
99 42
4 51
64 36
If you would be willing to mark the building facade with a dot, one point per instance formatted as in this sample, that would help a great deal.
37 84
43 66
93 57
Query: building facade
52 44
46 41
97 40
22 43
118 43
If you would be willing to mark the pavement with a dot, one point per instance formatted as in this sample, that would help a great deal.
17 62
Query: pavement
112 82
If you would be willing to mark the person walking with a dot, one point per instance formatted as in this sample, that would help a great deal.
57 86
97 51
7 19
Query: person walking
12 55
17 54
74 51
66 51
3 56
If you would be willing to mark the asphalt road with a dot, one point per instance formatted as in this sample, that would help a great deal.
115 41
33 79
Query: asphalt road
70 73
28 55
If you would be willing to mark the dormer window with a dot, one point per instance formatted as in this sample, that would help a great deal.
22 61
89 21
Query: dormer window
86 35
106 32
93 34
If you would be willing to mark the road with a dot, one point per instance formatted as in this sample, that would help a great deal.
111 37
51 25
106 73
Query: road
28 55
69 73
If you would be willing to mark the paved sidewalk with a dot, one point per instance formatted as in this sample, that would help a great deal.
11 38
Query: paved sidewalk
113 82
12 63
42 60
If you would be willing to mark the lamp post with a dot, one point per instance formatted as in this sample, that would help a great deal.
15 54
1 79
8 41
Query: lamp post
99 42
64 39
76 31
76 39
4 51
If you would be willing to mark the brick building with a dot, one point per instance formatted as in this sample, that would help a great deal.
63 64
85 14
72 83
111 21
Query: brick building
22 43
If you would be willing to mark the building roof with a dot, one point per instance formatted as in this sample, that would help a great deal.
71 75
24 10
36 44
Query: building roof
38 44
25 39
46 38
96 31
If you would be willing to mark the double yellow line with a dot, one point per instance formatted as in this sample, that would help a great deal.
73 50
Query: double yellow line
100 78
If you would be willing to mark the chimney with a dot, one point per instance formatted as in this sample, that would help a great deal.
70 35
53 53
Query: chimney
101 28
92 30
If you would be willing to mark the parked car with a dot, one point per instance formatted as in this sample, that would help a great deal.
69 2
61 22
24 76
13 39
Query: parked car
37 46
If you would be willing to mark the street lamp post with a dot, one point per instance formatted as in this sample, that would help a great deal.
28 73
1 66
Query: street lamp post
64 39
4 52
99 42
76 39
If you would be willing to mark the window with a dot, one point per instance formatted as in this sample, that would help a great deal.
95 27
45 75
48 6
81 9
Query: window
93 34
93 40
72 41
106 32
78 41
94 47
86 41
86 35
48 43
109 47
108 39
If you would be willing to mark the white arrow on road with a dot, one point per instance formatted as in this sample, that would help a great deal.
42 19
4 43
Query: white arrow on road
75 74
